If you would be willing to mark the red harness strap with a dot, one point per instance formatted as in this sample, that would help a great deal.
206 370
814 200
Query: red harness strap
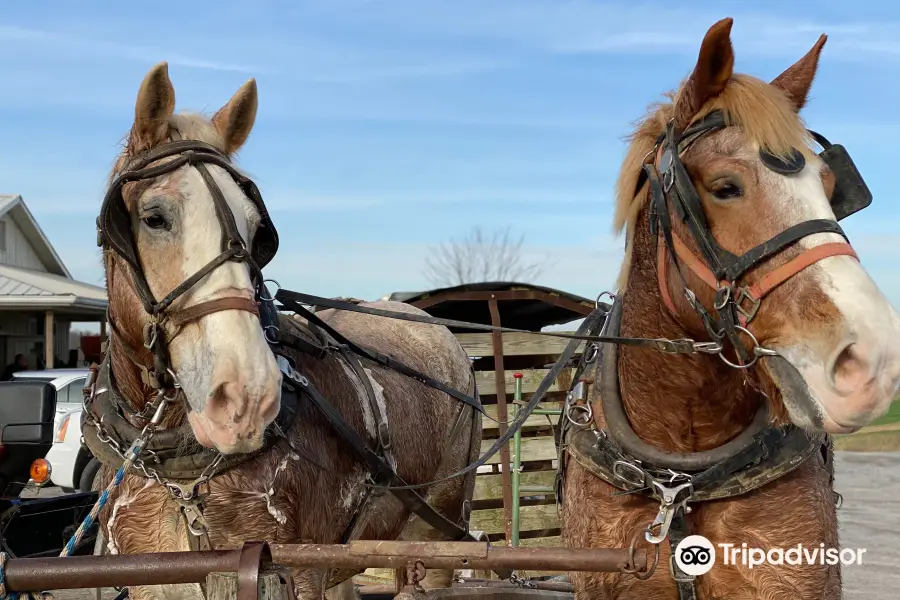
752 294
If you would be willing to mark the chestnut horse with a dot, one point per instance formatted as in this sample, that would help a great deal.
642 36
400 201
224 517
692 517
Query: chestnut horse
731 236
233 457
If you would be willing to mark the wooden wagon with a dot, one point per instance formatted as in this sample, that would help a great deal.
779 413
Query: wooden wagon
497 357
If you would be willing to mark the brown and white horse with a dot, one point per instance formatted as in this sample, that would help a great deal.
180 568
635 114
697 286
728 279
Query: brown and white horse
308 486
827 324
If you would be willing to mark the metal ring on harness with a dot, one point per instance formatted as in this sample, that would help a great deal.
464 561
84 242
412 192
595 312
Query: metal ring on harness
597 301
584 409
757 350
632 547
272 298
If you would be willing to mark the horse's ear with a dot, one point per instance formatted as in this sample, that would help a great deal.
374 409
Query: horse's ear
235 120
796 81
155 104
714 67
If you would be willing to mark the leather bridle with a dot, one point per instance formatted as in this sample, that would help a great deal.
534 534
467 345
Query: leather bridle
115 231
735 305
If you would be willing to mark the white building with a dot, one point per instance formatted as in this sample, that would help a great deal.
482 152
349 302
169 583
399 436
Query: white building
39 300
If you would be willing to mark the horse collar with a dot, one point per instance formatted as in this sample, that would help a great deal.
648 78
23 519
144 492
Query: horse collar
759 455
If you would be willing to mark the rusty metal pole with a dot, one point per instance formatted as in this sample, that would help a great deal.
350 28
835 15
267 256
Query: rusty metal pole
73 572
500 388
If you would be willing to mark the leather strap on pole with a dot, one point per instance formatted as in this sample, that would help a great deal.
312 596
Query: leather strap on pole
252 556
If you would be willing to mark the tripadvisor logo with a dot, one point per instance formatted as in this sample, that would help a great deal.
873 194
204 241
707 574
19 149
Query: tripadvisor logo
695 555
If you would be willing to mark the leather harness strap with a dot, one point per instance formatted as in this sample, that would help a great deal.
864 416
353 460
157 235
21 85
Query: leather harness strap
808 257
202 309
253 556
678 530
753 293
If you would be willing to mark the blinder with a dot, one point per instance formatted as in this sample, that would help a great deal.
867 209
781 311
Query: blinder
851 194
114 225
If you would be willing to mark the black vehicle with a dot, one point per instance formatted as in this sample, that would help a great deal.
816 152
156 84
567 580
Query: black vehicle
41 521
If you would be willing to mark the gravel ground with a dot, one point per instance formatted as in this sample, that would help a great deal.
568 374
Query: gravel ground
869 518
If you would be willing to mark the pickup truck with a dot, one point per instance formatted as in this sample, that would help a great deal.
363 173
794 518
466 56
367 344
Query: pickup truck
74 468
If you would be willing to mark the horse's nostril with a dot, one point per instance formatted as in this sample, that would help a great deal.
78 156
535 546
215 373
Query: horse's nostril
845 363
850 370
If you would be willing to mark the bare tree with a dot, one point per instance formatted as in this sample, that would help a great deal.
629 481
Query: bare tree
480 257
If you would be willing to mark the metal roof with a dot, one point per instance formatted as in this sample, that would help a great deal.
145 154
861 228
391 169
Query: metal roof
26 288
530 313
18 211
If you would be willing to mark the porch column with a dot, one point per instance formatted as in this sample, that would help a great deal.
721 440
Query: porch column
103 328
49 354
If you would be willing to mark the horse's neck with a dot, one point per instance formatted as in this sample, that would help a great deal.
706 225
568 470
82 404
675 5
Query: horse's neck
678 402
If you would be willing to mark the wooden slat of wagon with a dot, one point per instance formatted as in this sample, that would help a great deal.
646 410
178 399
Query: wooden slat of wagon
533 449
515 344
541 517
530 382
490 487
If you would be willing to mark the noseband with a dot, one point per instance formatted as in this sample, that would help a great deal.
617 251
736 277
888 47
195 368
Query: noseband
115 231
736 305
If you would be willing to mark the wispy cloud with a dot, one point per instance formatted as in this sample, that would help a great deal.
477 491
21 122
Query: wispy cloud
409 71
98 48
590 27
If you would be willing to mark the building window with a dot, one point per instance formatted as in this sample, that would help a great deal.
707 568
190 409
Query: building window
2 235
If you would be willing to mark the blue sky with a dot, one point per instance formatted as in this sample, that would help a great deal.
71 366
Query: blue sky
388 126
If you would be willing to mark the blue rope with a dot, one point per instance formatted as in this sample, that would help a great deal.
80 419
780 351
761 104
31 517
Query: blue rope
101 501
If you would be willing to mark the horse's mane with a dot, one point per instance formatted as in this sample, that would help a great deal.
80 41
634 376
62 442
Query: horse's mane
763 112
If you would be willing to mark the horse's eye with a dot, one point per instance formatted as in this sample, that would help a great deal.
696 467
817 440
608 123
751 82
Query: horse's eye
155 222
727 191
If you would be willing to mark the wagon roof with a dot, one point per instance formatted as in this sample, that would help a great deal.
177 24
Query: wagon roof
521 305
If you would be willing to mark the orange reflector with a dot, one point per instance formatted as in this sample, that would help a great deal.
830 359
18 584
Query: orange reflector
61 434
40 470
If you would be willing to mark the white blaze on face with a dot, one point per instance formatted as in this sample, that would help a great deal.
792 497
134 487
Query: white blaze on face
225 367
852 366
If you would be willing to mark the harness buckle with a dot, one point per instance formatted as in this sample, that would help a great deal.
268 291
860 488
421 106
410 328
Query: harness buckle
674 570
723 296
665 166
590 352
682 346
288 369
151 333
628 467
708 347
744 294
384 436
671 500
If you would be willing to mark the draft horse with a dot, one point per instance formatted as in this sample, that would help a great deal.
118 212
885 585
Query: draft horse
732 239
255 425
